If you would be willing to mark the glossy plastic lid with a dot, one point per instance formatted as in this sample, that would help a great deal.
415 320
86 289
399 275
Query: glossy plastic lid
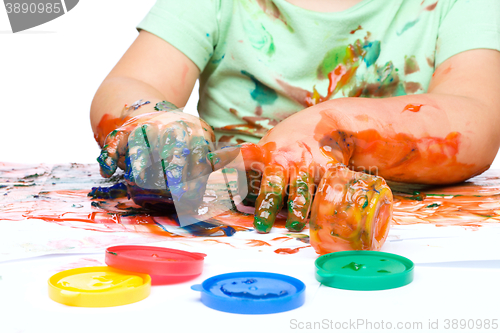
99 286
364 270
252 292
162 264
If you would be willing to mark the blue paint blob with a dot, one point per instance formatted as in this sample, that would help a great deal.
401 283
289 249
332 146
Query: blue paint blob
106 169
217 61
262 93
112 192
258 289
372 52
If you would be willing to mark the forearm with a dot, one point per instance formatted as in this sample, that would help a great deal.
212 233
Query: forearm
108 110
427 138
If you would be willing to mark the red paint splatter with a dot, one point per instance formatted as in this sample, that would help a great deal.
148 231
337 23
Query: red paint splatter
280 238
289 251
354 31
217 241
431 7
256 242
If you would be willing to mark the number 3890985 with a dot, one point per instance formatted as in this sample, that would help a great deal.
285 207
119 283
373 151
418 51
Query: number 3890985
32 8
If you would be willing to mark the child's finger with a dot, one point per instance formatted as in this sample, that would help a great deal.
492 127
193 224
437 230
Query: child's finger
222 157
270 199
140 158
299 198
251 153
253 182
199 170
199 166
110 153
174 158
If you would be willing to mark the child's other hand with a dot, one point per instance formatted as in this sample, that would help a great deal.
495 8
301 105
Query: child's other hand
160 153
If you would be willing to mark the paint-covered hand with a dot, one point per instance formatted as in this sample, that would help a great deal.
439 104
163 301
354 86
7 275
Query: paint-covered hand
287 165
163 155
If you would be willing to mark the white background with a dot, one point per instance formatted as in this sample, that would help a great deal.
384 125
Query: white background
50 73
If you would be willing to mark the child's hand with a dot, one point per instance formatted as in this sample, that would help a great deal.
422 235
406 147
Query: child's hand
161 153
291 161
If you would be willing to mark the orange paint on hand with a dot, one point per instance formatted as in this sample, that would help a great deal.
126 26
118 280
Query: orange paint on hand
412 107
397 157
402 157
107 125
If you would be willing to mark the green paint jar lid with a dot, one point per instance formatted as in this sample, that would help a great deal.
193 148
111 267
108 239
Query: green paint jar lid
364 270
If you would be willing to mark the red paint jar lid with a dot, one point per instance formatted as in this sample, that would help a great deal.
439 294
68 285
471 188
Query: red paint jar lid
164 265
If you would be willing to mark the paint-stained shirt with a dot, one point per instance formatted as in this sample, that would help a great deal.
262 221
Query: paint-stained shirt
263 60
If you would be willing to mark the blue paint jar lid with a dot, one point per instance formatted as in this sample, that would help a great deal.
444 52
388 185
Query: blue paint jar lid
364 270
252 292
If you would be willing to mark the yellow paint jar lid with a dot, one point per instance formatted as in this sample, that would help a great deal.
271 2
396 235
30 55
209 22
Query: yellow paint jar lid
99 286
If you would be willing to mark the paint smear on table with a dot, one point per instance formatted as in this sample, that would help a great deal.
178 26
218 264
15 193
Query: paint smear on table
58 194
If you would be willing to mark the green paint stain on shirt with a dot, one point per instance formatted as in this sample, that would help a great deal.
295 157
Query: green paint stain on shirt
262 93
259 37
332 59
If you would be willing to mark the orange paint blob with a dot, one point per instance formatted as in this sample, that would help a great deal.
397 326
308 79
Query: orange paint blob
413 107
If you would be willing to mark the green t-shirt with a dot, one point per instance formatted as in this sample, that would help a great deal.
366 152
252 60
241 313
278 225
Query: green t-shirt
263 60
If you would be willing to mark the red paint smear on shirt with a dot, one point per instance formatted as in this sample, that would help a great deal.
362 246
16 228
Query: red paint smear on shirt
431 7
357 29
